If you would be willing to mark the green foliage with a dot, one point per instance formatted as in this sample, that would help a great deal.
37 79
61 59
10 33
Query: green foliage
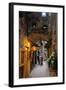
52 60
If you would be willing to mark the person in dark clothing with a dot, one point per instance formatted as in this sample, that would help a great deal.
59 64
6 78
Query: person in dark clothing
38 59
41 57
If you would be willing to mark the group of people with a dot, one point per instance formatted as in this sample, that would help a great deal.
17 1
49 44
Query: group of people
39 55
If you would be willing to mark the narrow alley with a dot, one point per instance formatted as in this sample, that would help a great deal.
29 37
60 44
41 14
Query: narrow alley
37 44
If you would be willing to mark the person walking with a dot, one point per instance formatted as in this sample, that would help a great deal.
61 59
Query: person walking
41 57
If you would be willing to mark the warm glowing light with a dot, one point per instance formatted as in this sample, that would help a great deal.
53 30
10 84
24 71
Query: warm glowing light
34 48
26 43
25 49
